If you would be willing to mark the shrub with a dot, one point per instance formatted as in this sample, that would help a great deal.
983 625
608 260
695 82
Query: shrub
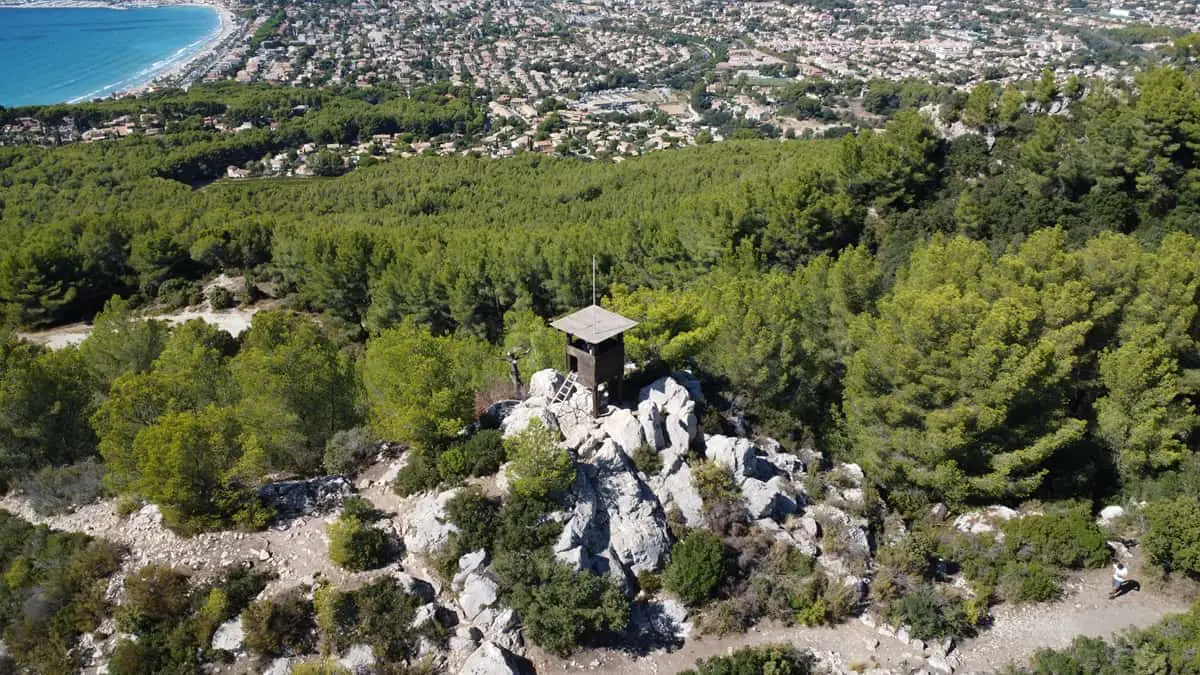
1022 582
476 517
1172 539
1068 540
722 500
418 475
779 659
484 452
356 544
697 567
649 582
323 667
348 451
646 460
280 626
221 298
524 526
539 468
931 615
155 594
560 607
59 489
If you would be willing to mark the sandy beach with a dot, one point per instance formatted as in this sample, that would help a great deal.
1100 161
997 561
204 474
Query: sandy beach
170 70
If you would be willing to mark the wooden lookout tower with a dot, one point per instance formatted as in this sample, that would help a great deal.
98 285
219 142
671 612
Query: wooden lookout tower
595 353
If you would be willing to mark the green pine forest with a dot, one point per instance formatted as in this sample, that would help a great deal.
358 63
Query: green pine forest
1007 315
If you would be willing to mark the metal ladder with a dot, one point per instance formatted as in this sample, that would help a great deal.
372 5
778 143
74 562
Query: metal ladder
565 389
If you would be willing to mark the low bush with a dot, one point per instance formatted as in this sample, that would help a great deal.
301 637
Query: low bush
280 626
323 667
697 567
931 615
1070 540
647 460
59 489
347 451
484 452
154 595
1172 539
723 506
53 591
417 475
1029 582
779 659
356 544
649 582
221 298
559 607
174 622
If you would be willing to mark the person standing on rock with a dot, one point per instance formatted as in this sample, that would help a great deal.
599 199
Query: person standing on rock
1120 572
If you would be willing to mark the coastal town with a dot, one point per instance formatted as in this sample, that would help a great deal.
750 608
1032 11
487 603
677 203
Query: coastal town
608 79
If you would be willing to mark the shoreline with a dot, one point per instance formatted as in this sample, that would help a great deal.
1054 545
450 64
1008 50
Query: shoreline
154 74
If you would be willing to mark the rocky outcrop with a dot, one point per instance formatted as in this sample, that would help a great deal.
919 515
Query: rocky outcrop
985 521
425 528
479 592
520 417
358 659
736 454
295 498
490 659
616 525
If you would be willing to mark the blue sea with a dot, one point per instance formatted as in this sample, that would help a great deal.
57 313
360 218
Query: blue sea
55 55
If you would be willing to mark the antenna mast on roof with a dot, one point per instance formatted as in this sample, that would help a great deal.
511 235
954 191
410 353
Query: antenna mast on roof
593 290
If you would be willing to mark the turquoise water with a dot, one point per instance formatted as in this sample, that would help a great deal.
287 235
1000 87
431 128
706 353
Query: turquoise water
53 55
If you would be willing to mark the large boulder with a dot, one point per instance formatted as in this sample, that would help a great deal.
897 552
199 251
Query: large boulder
1109 513
667 394
624 429
478 593
294 498
544 384
520 417
229 636
426 528
490 659
736 454
652 425
660 621
678 489
768 499
469 564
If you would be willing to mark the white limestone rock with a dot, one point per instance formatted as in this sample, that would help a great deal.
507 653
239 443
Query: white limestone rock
426 527
478 593
1109 514
624 429
229 636
358 659
544 384
735 454
768 499
469 564
520 417
652 425
489 659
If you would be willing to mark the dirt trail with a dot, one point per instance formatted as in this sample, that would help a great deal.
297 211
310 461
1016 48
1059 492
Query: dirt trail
296 549
1017 633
